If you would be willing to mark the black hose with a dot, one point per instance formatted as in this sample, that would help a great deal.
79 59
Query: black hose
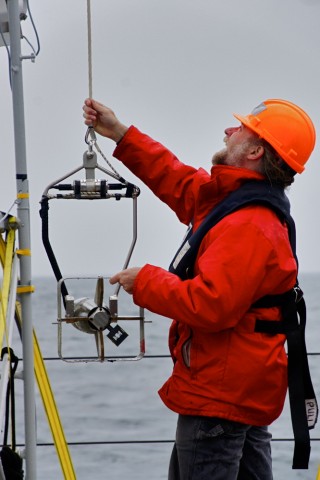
44 214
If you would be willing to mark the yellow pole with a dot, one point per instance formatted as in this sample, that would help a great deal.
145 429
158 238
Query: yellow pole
6 257
7 251
52 413
51 409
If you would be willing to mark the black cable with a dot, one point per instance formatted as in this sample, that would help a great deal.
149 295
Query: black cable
139 442
10 397
48 359
44 214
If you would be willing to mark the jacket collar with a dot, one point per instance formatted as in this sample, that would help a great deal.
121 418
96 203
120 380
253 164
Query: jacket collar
224 180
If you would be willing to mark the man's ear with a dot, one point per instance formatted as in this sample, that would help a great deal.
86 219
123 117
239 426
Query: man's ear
255 152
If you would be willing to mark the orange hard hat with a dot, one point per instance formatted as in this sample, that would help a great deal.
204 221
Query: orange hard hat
287 128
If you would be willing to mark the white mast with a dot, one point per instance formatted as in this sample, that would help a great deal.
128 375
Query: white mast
23 214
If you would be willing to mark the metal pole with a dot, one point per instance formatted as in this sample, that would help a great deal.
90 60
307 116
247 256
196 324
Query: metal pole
23 213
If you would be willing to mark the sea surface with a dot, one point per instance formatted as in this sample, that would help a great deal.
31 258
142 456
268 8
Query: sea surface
118 402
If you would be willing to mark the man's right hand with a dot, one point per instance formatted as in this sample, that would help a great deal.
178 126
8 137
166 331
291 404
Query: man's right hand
103 120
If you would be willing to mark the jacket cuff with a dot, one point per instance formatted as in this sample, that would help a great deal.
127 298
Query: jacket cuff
140 278
126 137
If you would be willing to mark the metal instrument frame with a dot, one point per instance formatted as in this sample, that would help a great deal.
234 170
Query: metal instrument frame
93 189
64 319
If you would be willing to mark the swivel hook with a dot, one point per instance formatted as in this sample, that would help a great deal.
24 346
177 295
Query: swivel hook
90 138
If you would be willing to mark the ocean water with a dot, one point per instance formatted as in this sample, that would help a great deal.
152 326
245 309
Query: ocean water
118 401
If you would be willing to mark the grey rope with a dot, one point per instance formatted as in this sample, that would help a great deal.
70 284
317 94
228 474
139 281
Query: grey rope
89 46
93 137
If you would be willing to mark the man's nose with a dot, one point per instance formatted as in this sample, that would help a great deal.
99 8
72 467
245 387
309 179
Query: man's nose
231 130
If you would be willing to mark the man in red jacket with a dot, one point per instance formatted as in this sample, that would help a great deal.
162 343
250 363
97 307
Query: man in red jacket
229 380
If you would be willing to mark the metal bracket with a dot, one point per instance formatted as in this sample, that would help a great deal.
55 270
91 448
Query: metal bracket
4 20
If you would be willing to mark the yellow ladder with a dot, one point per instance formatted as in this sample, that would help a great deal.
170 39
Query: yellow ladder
6 257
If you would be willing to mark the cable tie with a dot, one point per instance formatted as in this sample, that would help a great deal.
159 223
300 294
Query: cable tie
25 251
25 289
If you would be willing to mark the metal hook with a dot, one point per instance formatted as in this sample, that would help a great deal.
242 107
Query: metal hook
90 137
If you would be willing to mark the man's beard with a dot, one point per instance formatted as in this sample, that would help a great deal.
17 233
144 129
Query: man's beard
234 156
220 158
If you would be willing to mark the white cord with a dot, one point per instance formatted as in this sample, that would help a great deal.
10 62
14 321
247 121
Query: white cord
90 81
89 46
8 212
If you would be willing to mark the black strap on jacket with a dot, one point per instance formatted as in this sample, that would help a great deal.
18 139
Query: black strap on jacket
252 192
303 403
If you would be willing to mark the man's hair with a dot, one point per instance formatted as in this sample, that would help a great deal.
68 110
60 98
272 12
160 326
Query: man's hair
276 170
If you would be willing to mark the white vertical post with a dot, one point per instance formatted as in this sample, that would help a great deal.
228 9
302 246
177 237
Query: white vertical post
23 213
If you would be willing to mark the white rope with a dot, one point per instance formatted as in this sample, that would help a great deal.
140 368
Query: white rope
107 161
90 83
89 46
8 212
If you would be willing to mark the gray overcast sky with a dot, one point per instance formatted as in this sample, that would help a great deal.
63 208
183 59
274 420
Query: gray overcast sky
177 69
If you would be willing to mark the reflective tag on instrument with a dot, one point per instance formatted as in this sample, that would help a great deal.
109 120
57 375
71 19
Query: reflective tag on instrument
117 335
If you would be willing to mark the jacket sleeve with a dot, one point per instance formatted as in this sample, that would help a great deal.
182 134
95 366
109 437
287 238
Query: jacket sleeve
236 266
175 183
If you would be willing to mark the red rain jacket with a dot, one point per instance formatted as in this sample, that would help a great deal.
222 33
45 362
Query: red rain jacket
221 367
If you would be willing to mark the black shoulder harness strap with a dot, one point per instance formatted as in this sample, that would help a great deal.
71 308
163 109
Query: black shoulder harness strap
303 403
258 192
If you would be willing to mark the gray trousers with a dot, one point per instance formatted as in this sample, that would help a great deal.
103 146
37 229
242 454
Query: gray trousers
209 448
